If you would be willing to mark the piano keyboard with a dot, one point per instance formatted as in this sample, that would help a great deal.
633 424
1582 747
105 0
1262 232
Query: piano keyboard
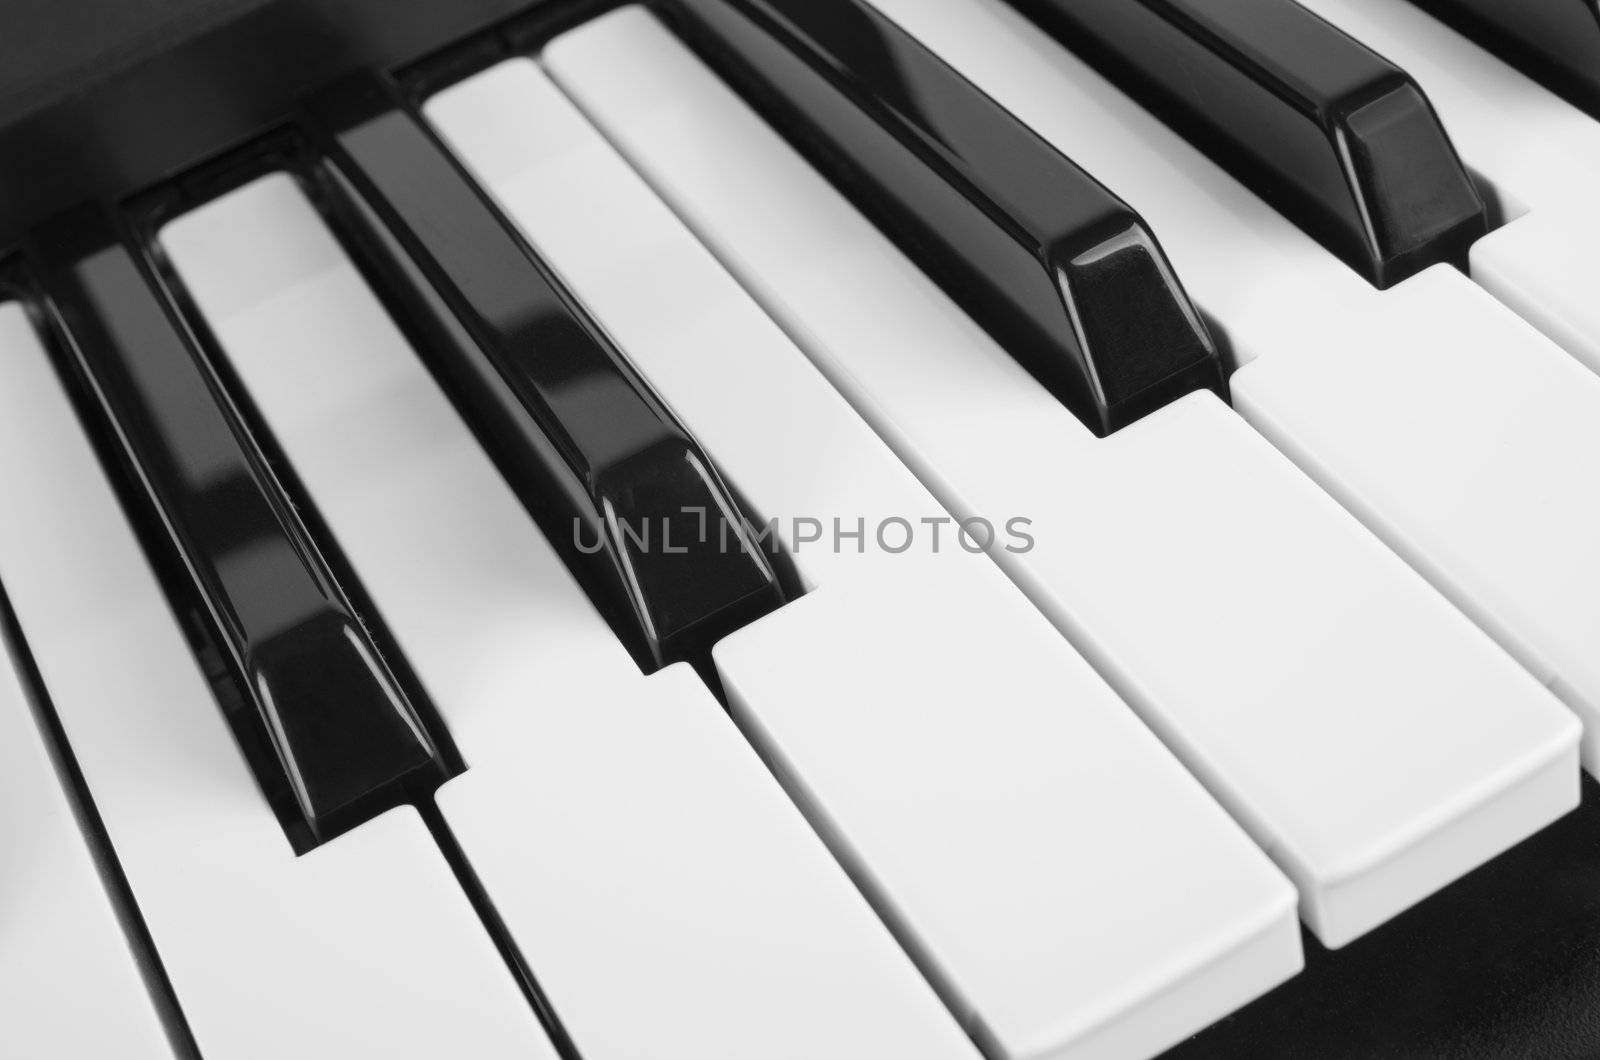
728 529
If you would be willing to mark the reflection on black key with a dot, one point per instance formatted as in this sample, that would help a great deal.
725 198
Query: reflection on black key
1334 136
617 483
1556 42
1061 271
332 737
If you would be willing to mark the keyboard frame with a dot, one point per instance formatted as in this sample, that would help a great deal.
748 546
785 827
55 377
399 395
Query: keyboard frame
219 86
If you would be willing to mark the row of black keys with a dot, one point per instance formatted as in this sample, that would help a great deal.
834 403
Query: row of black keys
1061 271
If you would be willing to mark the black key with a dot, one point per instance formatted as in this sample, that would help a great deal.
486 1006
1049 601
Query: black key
1503 963
1338 139
617 483
331 735
1059 270
1556 42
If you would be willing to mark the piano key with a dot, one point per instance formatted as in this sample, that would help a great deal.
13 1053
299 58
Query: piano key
1536 150
1062 271
350 477
1459 435
1555 41
365 945
1299 646
1335 136
575 430
1499 964
68 976
1069 888
334 737
979 886
669 898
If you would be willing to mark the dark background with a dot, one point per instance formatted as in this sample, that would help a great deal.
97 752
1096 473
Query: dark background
100 98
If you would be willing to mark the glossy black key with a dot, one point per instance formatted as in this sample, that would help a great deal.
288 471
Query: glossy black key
1338 139
330 732
1556 42
1059 270
617 483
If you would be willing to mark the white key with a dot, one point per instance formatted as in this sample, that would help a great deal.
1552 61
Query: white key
1471 457
1540 154
1258 628
1068 886
69 986
668 896
365 946
1463 438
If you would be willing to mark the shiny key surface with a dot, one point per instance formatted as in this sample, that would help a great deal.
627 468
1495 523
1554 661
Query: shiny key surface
68 979
1536 150
330 732
666 894
1067 887
1555 41
1334 135
1063 272
1300 646
595 453
875 627
365 945
1459 435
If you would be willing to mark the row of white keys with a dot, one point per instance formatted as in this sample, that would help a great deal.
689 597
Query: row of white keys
1258 628
1465 439
1268 638
1068 887
1538 152
69 986
365 946
668 897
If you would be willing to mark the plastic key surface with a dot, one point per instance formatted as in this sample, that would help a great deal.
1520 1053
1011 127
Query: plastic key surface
1063 272
364 946
1535 149
668 897
330 732
595 453
1458 434
1067 886
1299 646
1556 42
1335 136
67 976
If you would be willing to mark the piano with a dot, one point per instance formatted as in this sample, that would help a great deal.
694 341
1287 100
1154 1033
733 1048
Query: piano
799 529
